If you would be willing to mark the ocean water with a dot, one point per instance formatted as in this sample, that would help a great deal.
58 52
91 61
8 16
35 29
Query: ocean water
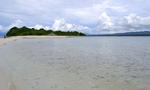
79 63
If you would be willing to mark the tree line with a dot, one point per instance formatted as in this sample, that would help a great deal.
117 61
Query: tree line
25 31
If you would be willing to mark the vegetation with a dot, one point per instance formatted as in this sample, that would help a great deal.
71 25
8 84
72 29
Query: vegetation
24 31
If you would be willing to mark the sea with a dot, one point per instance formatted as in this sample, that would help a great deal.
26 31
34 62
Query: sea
78 63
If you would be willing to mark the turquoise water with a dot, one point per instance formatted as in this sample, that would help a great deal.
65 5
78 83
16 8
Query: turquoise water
81 63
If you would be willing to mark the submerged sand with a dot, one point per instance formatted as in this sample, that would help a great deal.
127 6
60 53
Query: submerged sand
5 77
74 63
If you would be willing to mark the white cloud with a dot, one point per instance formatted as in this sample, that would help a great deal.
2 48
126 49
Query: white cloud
41 26
90 14
105 21
135 20
129 23
60 24
17 23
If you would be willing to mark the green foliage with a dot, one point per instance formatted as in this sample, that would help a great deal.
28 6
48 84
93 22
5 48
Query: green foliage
69 33
24 31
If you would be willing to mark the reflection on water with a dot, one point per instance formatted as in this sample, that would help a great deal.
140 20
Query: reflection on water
83 63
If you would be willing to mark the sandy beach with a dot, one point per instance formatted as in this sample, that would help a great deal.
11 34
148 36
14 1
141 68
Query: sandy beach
6 40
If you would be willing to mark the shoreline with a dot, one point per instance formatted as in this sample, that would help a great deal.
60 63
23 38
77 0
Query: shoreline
4 41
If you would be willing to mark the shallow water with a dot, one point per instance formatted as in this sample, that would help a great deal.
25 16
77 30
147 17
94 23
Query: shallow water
81 63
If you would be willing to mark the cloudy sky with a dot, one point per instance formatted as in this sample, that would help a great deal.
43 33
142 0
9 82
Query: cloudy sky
89 16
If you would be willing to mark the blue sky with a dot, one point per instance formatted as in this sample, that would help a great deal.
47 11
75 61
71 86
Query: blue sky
89 16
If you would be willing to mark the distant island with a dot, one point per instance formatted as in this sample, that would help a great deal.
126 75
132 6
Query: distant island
25 31
138 33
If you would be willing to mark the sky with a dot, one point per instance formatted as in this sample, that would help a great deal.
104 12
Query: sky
88 16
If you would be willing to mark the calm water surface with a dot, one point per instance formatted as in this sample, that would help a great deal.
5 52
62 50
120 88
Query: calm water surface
81 63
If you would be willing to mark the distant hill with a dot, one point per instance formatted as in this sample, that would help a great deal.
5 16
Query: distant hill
24 31
139 33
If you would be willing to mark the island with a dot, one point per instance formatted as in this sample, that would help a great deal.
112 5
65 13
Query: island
25 31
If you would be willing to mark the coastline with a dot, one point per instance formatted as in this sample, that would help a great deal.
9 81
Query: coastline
4 41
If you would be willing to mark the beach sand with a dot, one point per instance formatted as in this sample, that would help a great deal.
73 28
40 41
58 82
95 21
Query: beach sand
6 40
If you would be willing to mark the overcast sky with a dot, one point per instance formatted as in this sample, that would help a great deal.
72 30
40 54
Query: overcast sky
90 16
